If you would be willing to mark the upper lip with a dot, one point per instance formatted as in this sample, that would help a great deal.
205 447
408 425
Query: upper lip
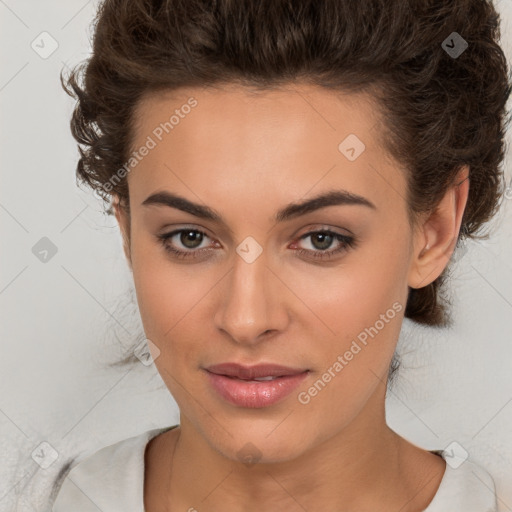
250 372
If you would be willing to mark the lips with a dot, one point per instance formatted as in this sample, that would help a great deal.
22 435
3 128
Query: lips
261 371
254 386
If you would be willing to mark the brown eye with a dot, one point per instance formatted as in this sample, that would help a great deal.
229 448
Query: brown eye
191 239
188 239
322 240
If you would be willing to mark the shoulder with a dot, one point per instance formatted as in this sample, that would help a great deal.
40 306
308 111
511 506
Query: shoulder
465 486
111 478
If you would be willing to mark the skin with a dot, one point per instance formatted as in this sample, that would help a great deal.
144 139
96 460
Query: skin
264 151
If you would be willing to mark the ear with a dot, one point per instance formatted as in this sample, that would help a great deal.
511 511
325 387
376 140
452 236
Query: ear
436 237
123 219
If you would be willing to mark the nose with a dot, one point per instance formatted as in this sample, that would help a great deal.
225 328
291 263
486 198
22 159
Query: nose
252 306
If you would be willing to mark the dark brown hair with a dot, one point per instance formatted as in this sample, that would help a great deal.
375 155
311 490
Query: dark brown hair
441 110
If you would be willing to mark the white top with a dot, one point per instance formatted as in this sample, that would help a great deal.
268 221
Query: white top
112 479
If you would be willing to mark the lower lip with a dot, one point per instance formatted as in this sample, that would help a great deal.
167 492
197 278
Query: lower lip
255 394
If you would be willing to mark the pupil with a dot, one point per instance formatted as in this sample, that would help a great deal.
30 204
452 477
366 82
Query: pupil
192 235
327 239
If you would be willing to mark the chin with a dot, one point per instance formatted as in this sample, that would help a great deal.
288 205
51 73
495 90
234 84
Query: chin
265 444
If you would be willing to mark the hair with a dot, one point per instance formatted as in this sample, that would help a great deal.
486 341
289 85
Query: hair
441 111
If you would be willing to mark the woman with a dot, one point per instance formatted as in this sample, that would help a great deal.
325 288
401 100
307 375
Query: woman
290 180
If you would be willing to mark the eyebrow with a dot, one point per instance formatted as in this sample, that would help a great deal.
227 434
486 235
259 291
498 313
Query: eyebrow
290 211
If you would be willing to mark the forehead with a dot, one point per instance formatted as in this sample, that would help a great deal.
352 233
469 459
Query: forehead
301 108
236 139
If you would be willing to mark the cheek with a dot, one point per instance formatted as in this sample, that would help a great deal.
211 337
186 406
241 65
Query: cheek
363 313
169 308
343 301
167 299
174 304
358 311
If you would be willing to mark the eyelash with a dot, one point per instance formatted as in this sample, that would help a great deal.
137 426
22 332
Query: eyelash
347 242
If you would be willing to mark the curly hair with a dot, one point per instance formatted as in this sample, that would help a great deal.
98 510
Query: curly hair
441 110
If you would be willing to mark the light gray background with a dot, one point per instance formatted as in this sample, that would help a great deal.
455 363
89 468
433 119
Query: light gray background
60 320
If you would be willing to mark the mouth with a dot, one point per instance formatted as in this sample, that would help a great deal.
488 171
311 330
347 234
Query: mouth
254 387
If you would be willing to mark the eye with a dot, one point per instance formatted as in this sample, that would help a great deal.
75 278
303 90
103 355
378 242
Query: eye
322 240
189 238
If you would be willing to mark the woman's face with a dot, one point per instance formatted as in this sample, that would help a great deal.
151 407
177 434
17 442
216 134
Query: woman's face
253 289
